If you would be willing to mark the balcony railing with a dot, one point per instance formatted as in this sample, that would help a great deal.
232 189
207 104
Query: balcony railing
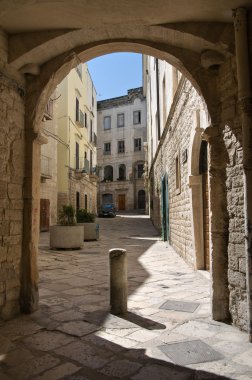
49 110
46 167
93 139
80 119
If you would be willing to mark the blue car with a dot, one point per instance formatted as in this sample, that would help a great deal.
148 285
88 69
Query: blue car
108 209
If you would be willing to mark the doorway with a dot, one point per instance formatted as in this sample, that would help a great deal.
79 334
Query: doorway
165 209
121 202
44 215
141 199
205 201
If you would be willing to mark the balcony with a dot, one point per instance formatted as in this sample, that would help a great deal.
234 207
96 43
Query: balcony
48 114
80 119
93 139
46 167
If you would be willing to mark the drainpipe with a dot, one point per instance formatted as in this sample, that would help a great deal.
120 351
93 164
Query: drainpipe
245 100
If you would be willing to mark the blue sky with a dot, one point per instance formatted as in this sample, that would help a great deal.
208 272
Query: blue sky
113 74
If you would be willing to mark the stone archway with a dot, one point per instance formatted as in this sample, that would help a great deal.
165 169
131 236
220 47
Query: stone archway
39 89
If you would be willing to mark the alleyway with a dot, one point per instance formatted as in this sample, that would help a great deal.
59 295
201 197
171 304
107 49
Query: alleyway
73 336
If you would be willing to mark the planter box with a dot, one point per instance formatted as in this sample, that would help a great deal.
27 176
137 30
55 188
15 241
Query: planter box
66 237
91 231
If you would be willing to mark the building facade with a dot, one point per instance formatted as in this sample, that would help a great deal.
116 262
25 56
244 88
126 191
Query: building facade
121 159
77 132
210 45
48 178
194 212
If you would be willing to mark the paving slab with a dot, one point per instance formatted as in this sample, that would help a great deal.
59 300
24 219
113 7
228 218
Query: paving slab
74 336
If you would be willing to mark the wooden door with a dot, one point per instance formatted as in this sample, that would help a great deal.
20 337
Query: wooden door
121 201
44 214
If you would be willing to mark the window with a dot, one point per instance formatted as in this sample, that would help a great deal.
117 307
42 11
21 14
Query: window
137 145
121 148
107 148
140 170
91 161
85 202
107 198
120 120
77 200
77 158
91 130
137 117
107 122
122 173
178 175
77 110
85 120
108 173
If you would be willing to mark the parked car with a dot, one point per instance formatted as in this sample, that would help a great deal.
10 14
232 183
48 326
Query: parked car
108 209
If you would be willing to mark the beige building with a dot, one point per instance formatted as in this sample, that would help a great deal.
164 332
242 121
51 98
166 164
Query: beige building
77 131
121 138
209 43
48 178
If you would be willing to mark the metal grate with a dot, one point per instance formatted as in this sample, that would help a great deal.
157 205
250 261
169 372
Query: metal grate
188 307
190 352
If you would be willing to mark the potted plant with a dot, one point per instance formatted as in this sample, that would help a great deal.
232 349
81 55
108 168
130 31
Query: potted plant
67 234
87 219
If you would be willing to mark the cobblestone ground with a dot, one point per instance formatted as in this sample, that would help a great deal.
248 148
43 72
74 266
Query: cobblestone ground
73 336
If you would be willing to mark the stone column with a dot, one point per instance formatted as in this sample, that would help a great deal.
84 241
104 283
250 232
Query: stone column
218 225
245 99
118 281
11 181
29 268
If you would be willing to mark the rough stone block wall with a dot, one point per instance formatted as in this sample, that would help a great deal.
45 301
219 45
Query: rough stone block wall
115 188
63 199
11 195
83 186
232 135
176 141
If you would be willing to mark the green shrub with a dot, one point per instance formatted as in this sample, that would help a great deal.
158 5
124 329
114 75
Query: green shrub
83 216
67 216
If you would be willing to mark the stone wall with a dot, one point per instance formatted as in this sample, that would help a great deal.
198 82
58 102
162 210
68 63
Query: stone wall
85 186
227 223
232 135
115 188
11 194
174 142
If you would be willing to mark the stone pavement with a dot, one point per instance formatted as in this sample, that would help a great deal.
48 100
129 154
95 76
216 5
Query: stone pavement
166 334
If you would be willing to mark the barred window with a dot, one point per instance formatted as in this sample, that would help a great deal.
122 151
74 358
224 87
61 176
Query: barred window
107 122
137 144
121 147
137 117
120 120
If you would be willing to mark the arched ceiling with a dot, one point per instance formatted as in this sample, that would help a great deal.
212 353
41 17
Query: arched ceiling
44 35
31 15
40 30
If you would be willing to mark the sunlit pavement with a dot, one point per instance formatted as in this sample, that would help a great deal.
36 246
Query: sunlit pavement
73 336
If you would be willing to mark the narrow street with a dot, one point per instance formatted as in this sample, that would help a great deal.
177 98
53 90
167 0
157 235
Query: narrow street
166 334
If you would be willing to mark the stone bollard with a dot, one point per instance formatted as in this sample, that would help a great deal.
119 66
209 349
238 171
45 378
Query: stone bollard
118 280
